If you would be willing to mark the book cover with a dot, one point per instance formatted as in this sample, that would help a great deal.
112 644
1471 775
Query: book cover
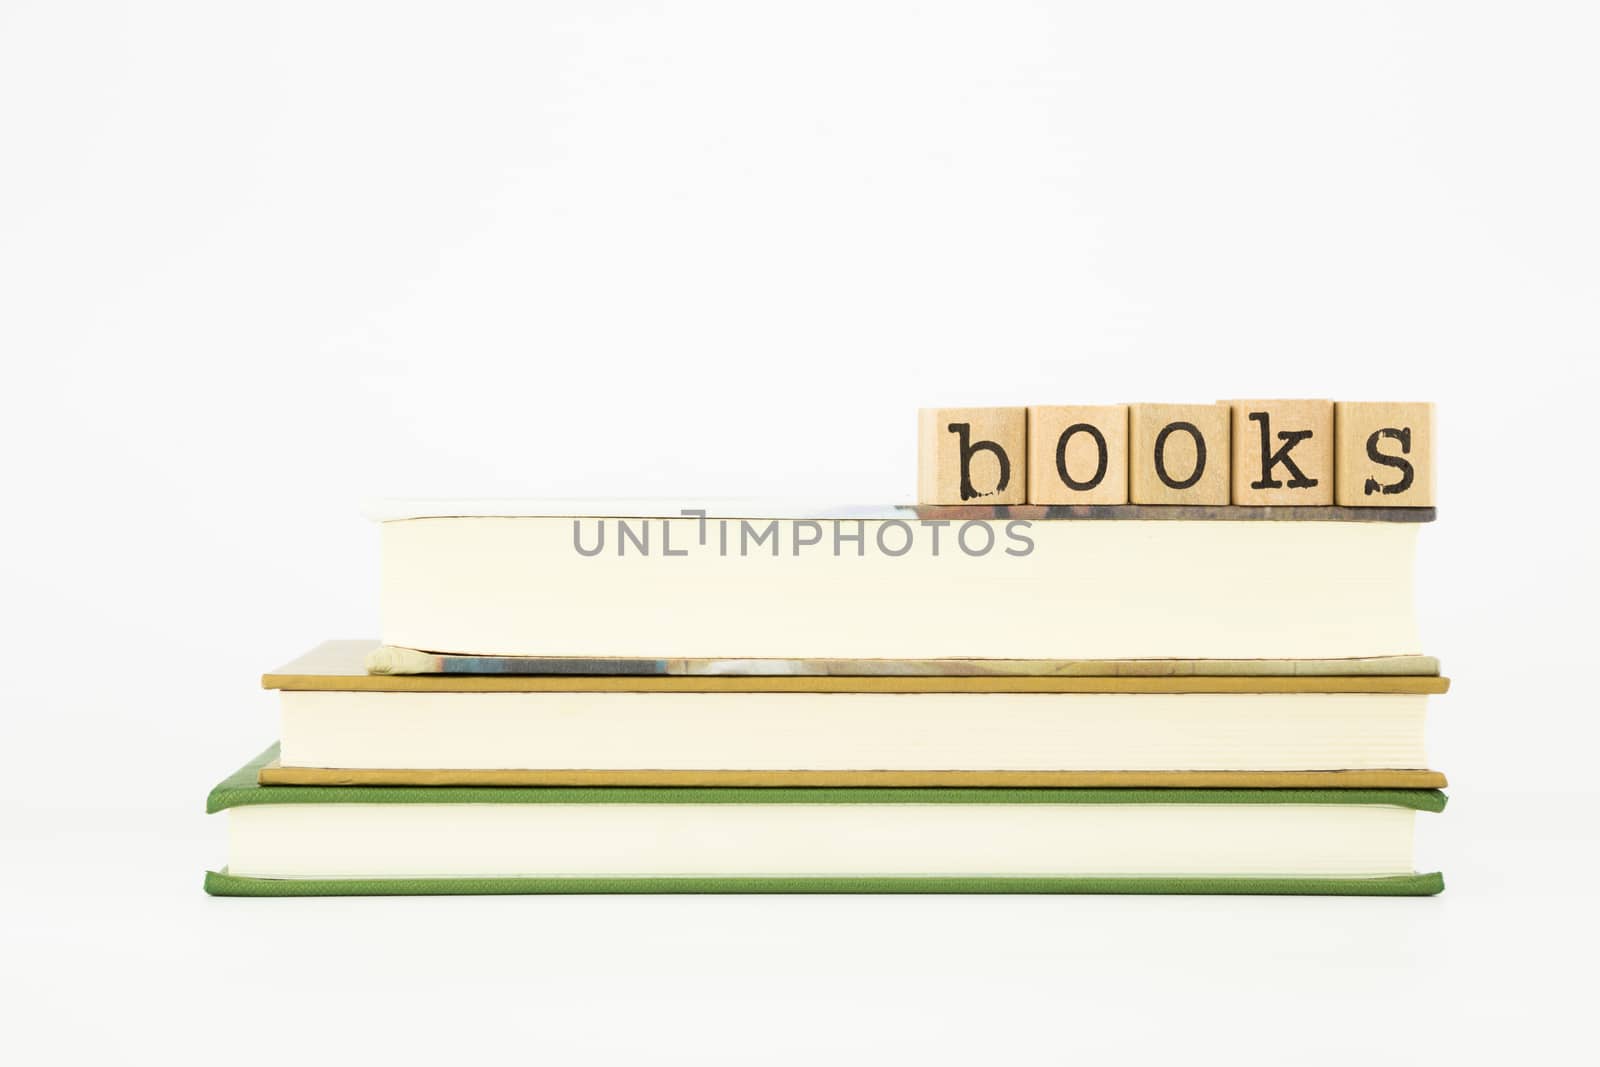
393 660
343 665
242 789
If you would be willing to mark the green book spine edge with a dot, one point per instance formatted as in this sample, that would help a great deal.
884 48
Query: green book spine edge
223 884
241 789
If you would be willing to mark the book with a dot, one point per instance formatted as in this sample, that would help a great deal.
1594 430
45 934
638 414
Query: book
1176 730
391 659
648 581
294 840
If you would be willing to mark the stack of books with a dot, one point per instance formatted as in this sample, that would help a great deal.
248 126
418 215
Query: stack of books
744 698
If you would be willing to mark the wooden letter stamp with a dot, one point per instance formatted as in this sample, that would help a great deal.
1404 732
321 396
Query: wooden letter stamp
972 456
1178 453
1078 455
1282 452
1383 455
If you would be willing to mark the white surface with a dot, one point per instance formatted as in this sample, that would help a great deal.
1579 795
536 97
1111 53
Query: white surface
773 840
831 731
1086 590
262 261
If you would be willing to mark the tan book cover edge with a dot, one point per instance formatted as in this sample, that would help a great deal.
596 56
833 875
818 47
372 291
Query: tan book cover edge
340 666
275 774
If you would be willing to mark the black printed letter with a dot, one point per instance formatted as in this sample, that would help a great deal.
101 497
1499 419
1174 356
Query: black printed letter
963 430
1270 459
1199 454
1061 456
1408 473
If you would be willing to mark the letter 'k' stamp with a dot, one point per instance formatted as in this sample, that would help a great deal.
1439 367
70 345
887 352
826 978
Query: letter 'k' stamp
1282 452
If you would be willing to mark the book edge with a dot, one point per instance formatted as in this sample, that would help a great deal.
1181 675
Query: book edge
274 773
398 660
221 883
403 509
242 788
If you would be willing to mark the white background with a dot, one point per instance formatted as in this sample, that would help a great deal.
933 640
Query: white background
259 261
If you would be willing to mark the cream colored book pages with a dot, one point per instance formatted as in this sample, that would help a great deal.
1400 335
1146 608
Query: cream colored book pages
748 839
854 731
1086 590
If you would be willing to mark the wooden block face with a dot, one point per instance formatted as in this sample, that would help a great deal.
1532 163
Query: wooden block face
1282 452
1178 453
1078 455
1383 454
972 456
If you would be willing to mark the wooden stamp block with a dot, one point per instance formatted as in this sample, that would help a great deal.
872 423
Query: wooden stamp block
1178 453
972 456
1383 455
1078 455
1282 452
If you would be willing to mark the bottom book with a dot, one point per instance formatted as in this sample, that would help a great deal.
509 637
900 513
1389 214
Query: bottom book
287 840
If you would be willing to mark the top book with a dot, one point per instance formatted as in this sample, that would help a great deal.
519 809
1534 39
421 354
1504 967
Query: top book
656 580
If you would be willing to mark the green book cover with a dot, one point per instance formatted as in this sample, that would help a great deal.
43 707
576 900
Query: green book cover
242 789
